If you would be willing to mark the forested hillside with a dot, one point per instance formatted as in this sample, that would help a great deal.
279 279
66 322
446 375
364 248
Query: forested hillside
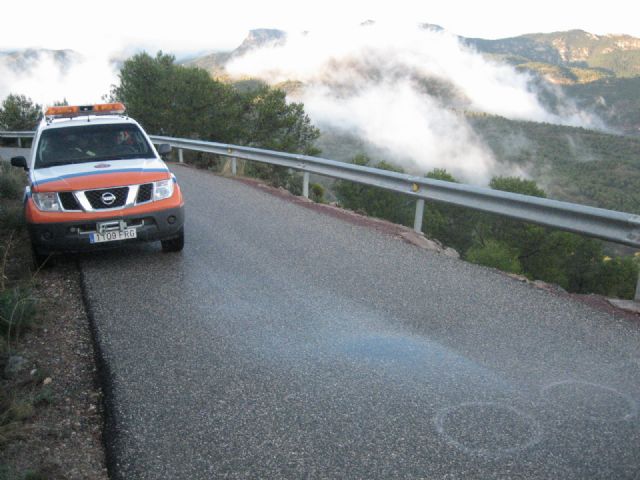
614 100
573 164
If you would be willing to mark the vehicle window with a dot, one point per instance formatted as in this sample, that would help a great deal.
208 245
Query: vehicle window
91 143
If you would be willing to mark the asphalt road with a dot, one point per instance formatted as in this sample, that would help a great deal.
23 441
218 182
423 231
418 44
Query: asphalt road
284 343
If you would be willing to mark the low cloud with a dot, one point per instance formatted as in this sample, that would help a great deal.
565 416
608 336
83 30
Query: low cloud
407 126
47 76
404 91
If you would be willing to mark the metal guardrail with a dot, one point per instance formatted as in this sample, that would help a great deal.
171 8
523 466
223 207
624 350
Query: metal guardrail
618 227
17 135
24 134
614 226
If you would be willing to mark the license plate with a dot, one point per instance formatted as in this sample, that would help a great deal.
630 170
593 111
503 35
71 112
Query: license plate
114 236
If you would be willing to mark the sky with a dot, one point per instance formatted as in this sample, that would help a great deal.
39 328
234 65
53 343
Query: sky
123 25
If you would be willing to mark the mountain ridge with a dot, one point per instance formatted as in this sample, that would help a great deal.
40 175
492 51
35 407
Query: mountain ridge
215 62
612 54
584 56
588 67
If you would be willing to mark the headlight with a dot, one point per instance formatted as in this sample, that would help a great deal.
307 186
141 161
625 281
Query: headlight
162 189
47 201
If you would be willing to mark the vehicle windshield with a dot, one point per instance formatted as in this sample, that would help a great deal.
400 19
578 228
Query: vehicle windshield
91 143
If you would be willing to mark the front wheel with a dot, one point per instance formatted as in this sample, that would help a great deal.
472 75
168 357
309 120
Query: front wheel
174 244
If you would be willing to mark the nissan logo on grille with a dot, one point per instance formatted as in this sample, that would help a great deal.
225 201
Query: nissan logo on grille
108 198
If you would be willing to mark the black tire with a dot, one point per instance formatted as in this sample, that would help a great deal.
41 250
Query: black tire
174 244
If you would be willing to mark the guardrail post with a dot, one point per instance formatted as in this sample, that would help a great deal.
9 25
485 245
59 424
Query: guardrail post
637 297
417 222
19 142
234 166
305 185
180 157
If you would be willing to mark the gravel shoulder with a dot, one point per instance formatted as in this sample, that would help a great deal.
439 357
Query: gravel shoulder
62 436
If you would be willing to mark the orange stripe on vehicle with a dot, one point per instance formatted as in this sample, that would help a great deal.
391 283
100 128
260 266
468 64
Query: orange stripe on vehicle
33 215
102 180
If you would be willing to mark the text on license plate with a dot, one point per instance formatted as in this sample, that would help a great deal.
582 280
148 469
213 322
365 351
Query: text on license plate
113 236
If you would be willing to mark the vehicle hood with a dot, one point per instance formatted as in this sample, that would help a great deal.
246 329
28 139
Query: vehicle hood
85 176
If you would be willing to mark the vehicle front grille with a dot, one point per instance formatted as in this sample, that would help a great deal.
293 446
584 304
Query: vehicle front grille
144 193
68 201
97 197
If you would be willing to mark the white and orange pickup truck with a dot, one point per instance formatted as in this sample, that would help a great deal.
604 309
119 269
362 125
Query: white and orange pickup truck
96 180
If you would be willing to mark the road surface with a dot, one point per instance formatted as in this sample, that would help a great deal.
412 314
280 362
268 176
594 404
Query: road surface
285 343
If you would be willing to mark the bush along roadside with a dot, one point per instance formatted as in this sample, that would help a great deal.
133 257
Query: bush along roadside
50 419
17 304
17 314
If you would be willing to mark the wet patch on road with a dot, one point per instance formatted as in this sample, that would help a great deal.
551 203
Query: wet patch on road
590 400
487 428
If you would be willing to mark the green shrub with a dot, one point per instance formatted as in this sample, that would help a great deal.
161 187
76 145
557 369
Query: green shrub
36 475
206 161
615 277
495 254
6 472
11 182
293 183
317 192
276 176
44 397
17 311
11 218
21 410
373 201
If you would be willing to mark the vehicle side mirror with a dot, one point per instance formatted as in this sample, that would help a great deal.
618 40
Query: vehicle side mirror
164 149
19 162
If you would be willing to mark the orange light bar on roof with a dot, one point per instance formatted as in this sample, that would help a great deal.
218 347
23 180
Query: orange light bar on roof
77 110
64 110
109 107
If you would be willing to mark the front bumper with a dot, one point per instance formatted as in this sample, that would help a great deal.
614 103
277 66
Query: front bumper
74 236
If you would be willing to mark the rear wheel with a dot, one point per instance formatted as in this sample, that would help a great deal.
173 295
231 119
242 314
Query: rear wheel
174 244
